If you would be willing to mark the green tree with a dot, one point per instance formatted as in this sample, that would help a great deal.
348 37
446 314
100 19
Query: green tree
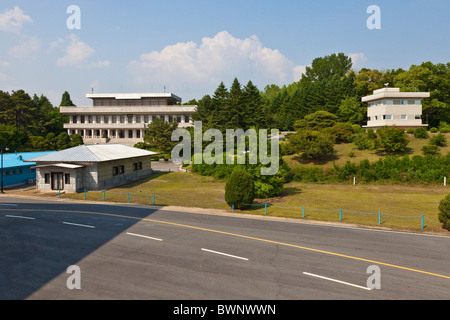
444 212
393 139
75 140
316 121
239 189
66 101
351 110
158 135
313 144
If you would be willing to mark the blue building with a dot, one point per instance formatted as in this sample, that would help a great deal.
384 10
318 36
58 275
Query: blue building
17 172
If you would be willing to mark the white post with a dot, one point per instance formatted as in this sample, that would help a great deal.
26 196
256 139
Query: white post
354 181
445 181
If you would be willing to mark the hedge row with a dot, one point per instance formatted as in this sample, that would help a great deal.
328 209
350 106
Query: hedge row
394 169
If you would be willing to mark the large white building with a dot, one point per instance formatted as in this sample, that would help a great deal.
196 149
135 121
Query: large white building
390 107
123 117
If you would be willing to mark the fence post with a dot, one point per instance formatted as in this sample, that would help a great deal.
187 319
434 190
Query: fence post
153 199
379 218
85 194
422 223
340 214
303 211
128 197
232 207
59 192
265 208
104 194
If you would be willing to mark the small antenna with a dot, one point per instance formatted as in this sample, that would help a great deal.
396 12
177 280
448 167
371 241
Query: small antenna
164 89
92 90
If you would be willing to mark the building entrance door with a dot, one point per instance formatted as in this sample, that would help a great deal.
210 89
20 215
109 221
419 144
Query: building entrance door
57 181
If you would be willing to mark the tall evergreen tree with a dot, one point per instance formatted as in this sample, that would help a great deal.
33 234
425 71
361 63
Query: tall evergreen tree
66 101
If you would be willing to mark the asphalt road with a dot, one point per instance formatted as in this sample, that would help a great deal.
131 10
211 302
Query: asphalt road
136 252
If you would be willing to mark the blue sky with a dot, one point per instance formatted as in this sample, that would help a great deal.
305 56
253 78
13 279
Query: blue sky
189 47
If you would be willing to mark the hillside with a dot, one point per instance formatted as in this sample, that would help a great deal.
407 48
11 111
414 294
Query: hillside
343 151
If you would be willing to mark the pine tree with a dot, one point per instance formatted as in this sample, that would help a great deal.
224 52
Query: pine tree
66 101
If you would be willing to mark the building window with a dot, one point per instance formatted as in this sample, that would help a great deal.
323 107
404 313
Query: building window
138 119
368 118
122 119
417 102
19 171
396 101
145 119
418 117
138 134
404 117
114 119
403 102
47 178
186 119
118 170
387 117
388 102
82 119
137 166
130 134
67 178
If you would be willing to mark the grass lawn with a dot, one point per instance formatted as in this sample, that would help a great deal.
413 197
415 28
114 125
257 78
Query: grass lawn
401 205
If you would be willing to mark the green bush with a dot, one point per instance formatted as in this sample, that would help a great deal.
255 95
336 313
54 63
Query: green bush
313 144
433 130
361 141
444 130
393 139
439 140
421 133
410 131
430 149
239 189
444 212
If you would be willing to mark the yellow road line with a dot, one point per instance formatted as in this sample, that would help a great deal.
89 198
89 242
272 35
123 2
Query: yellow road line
245 237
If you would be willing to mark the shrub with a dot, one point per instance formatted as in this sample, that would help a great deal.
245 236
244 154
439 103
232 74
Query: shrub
361 141
371 134
410 131
444 130
340 132
433 130
444 212
421 133
439 140
393 139
313 144
239 189
430 149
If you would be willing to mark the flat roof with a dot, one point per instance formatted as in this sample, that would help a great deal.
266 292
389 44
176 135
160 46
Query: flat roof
93 153
17 159
131 96
394 93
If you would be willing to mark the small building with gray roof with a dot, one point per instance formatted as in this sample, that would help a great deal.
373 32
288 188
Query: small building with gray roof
91 167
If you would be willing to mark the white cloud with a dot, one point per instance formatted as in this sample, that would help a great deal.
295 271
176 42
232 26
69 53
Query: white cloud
27 50
358 59
187 65
12 20
77 54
